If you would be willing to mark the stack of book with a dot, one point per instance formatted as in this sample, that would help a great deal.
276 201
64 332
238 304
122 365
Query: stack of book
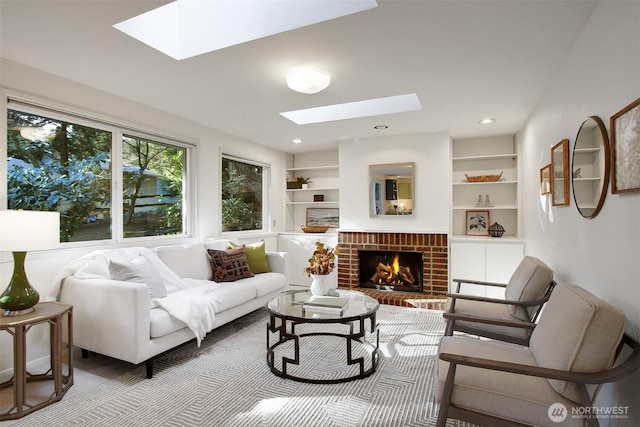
325 304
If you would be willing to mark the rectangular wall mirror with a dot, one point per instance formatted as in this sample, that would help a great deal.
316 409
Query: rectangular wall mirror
391 189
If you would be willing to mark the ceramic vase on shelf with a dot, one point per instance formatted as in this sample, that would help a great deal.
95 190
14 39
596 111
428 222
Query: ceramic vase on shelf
319 284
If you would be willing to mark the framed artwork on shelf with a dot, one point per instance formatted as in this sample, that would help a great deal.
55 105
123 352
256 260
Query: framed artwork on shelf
625 142
560 170
478 223
545 184
328 217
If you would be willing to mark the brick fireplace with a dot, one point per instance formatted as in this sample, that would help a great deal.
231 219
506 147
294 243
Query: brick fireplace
435 277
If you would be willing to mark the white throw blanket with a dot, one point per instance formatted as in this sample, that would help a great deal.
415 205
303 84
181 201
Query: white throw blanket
188 300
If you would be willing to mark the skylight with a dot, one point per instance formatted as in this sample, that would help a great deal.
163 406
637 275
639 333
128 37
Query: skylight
352 110
187 28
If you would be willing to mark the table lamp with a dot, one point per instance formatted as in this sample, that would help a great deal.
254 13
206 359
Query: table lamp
22 231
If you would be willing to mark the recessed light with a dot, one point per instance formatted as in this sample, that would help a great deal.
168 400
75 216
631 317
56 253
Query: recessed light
381 127
486 121
297 141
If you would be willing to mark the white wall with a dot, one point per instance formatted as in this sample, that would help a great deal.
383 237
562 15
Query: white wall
432 156
599 77
42 267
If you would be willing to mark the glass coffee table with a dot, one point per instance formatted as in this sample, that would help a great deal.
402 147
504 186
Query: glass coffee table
288 311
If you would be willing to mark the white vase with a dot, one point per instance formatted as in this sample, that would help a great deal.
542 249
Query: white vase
305 186
319 284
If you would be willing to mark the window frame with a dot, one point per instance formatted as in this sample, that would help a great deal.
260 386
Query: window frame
266 195
118 128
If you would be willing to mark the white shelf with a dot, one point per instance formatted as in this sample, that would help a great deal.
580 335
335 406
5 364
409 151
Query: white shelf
295 190
327 202
313 168
485 208
487 157
486 183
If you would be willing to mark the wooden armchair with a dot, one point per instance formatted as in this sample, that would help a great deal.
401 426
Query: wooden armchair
574 346
511 319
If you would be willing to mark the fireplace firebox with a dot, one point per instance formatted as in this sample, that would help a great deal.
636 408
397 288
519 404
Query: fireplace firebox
391 270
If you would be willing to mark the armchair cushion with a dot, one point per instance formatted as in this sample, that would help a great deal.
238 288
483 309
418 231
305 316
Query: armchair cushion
578 332
495 392
528 283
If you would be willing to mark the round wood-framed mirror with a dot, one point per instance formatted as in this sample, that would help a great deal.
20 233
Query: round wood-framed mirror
590 167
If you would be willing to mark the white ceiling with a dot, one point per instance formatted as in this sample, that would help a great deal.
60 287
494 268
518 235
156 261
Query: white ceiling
466 60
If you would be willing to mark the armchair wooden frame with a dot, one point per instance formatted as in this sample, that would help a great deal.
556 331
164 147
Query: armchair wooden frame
447 410
452 316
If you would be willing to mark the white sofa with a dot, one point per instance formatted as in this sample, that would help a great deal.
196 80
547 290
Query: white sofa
122 320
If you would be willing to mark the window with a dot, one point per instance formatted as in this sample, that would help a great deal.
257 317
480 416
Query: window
243 195
152 191
65 164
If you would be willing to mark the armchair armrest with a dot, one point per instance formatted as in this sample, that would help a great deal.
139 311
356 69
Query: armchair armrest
477 282
628 366
489 320
537 302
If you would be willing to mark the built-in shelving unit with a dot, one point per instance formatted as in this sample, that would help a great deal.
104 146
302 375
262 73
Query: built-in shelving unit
485 156
324 184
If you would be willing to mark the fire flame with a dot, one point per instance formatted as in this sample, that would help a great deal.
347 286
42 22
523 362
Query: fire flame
396 264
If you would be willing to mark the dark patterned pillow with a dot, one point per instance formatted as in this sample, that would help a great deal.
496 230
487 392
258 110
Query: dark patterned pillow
229 265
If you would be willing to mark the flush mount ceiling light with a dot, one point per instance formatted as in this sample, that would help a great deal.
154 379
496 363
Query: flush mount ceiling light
186 28
487 121
297 141
352 110
307 79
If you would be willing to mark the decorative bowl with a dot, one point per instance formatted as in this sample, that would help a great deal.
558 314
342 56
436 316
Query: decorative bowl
484 178
314 228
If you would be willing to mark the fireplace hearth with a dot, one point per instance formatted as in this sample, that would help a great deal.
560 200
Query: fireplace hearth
391 270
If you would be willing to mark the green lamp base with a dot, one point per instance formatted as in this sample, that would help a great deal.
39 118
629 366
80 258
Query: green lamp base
19 297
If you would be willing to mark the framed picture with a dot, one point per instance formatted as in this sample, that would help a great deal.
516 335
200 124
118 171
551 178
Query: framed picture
560 170
625 141
478 223
545 184
328 217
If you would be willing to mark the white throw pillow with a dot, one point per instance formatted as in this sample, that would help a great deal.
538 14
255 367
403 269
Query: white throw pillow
139 270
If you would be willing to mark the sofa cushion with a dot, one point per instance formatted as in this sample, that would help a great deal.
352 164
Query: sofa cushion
187 261
256 256
229 265
528 283
217 244
577 332
139 270
162 323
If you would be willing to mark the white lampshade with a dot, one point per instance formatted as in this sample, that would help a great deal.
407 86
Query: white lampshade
24 231
307 79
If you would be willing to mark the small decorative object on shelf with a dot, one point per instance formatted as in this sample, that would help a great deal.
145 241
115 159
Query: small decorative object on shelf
293 184
479 201
484 178
318 197
321 264
487 201
496 230
304 182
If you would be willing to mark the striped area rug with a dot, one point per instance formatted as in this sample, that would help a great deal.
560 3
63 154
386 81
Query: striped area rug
226 382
